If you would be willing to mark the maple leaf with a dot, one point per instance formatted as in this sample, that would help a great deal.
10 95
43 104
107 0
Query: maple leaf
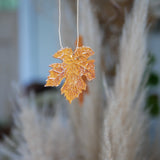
75 64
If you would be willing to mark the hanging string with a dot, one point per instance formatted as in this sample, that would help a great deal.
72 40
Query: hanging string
59 27
77 23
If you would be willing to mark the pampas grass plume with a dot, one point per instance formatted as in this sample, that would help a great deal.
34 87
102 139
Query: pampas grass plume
125 119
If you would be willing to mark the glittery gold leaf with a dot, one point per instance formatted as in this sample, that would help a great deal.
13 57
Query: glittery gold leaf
75 64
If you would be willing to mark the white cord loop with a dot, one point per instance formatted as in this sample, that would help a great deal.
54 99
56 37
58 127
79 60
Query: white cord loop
59 27
77 23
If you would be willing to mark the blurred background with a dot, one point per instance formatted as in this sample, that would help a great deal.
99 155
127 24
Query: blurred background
29 38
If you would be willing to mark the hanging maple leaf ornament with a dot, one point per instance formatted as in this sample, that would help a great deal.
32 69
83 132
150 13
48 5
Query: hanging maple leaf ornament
74 66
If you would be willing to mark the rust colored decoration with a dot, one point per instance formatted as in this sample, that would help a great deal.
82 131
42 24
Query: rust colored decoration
75 65
81 95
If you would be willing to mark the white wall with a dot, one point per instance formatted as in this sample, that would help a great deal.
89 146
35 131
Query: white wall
38 39
8 61
48 42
